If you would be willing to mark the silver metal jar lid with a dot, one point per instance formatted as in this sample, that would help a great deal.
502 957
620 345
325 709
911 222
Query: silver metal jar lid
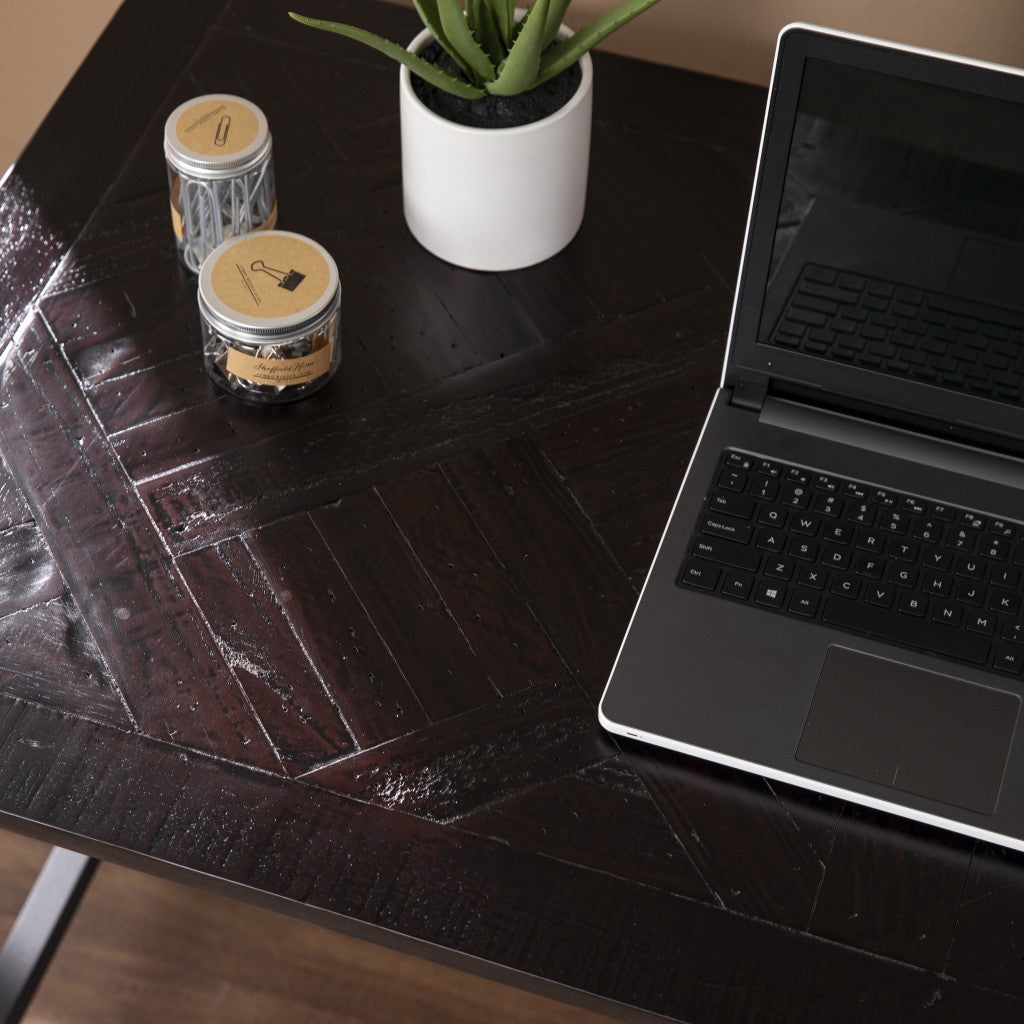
268 287
216 136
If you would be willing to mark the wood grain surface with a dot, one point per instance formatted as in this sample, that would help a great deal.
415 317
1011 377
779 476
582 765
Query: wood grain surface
341 659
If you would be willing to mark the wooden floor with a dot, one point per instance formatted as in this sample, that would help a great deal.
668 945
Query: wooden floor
144 950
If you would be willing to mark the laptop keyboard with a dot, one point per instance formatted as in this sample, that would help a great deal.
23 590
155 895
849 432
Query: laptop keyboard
884 326
866 560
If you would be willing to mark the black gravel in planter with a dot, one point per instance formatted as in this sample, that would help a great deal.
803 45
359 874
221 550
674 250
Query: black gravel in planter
494 111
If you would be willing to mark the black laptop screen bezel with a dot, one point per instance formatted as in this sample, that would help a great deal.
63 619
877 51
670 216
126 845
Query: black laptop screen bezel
905 401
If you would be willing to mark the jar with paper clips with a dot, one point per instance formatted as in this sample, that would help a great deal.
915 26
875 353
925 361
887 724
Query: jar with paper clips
220 172
269 303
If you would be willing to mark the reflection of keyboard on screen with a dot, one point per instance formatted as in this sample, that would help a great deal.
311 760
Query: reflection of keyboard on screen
863 559
927 336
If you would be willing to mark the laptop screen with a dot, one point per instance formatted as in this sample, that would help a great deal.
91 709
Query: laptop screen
899 245
890 223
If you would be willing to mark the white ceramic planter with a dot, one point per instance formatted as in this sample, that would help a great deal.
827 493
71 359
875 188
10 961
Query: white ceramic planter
494 198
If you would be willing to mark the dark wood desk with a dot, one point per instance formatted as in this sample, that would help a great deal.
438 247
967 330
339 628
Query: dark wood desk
342 659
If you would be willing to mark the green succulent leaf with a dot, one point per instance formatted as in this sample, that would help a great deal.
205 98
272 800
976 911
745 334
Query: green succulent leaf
483 22
505 14
453 20
431 18
553 22
564 54
428 72
519 72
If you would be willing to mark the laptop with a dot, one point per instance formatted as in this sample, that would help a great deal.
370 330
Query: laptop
838 598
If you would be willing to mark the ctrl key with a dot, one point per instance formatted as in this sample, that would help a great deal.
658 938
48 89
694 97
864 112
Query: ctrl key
696 573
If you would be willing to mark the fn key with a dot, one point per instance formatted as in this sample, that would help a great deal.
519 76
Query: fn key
696 573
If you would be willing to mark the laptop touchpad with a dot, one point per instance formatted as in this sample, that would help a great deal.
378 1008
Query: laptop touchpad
913 730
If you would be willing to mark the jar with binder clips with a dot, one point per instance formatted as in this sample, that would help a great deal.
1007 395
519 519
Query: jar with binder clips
220 172
269 304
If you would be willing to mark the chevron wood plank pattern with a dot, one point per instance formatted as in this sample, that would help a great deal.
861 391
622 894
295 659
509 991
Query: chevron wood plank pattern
342 659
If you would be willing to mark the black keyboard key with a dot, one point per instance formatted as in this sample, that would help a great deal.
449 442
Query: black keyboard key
993 548
827 505
845 586
770 594
913 604
725 526
879 594
733 480
1005 577
765 488
968 592
937 559
969 567
838 533
936 585
737 584
870 540
1004 603
921 633
713 549
928 530
836 558
894 522
805 524
1009 659
802 548
860 513
772 515
772 540
795 495
732 504
903 575
696 573
812 576
961 539
779 568
868 565
981 622
946 613
1013 631
803 602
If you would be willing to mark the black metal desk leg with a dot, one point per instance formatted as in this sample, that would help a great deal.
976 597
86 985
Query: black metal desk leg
39 927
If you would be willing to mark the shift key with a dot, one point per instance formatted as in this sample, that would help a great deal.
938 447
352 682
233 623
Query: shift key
725 552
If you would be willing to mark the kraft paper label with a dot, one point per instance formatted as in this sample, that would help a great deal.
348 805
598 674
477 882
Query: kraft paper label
179 230
280 372
217 127
270 276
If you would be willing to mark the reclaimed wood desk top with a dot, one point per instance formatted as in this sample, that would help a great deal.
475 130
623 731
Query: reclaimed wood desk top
342 659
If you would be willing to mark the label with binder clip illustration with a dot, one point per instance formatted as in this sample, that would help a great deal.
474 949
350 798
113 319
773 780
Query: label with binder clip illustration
217 127
270 275
285 279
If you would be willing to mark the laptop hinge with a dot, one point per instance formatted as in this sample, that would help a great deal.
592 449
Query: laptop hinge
749 394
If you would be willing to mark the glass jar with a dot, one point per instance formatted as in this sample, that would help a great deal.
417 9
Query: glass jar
220 173
269 304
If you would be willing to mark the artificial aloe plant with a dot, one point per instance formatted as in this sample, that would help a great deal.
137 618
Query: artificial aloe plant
498 54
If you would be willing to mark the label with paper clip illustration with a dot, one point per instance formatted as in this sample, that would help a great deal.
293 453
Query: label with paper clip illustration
270 275
217 126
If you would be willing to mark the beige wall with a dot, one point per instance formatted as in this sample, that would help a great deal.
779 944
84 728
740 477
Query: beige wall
43 41
736 38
